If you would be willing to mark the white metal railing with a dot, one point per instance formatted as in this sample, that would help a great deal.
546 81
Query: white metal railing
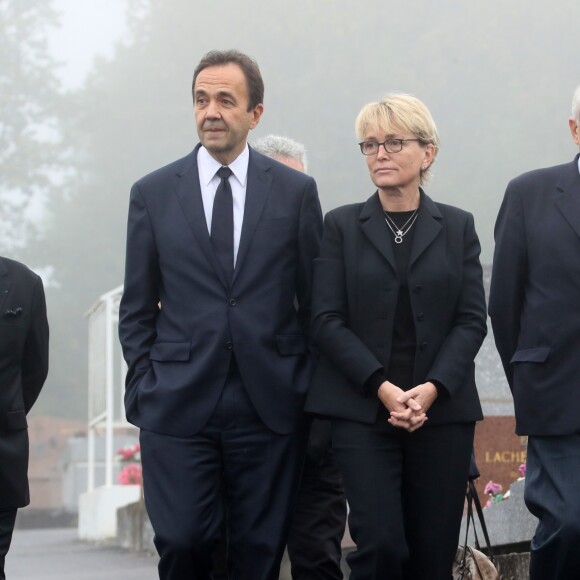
105 381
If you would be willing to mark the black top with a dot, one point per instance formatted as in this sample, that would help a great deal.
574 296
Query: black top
404 341
400 371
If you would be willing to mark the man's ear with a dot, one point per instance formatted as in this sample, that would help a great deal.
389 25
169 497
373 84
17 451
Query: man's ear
575 130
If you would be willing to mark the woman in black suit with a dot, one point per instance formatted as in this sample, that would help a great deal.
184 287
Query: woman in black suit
399 315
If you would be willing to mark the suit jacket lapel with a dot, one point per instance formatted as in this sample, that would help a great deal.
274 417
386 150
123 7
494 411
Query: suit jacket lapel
374 226
427 227
257 192
188 192
568 195
4 285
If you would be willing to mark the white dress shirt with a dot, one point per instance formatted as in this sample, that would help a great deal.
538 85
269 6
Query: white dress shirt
209 181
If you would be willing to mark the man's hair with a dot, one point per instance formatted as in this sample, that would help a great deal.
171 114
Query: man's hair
400 113
249 67
276 146
576 105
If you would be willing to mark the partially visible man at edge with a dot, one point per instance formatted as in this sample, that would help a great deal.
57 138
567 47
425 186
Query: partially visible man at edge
23 370
319 517
534 310
224 239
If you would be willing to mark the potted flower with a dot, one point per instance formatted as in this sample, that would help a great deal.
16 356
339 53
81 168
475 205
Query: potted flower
130 457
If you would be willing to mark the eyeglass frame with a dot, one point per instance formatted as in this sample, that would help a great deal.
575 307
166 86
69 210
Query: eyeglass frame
384 144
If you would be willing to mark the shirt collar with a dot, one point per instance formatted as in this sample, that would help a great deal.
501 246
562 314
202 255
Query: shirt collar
208 166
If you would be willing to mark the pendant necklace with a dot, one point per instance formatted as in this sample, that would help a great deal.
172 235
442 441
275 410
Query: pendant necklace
400 232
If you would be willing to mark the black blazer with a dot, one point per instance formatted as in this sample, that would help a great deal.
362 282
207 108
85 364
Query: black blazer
179 356
534 301
23 370
355 295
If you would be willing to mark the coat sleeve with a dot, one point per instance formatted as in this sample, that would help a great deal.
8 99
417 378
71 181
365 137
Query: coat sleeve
508 277
309 234
469 323
331 331
139 306
35 355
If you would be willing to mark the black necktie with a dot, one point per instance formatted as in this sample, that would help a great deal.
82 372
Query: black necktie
222 224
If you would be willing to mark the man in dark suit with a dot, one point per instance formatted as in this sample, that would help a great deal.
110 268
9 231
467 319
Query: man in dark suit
319 516
213 323
23 370
534 309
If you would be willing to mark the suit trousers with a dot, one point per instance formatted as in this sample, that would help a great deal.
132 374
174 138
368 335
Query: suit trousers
236 466
319 517
406 494
7 519
552 494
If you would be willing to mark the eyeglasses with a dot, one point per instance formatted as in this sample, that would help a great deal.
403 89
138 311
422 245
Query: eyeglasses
390 145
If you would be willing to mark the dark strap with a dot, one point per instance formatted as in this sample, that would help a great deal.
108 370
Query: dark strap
467 522
472 497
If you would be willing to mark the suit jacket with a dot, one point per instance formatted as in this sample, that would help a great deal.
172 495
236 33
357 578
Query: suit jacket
356 288
535 296
23 370
179 355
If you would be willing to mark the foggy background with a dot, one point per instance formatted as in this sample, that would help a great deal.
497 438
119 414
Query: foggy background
97 93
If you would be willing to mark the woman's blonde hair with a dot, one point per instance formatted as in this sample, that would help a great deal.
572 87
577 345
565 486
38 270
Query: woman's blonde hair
399 113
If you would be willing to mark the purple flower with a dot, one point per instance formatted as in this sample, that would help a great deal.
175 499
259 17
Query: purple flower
492 488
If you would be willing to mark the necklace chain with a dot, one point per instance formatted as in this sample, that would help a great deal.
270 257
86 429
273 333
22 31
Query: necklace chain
400 232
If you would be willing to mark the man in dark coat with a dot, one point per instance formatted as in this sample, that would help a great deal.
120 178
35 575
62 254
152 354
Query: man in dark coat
534 309
223 240
319 516
23 370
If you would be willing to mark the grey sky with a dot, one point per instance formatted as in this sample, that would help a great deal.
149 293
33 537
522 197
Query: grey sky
89 28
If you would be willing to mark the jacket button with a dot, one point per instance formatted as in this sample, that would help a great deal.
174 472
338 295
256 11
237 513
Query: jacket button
229 345
418 289
421 316
423 345
233 302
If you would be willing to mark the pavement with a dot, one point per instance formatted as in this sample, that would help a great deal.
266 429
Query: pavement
58 554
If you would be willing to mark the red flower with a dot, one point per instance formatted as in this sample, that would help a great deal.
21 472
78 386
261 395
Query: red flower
131 475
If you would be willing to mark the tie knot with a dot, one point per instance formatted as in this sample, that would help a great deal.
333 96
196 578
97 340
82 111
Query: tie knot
224 172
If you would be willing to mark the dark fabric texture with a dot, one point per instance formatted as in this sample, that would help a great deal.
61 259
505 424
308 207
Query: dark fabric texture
187 503
406 493
7 519
319 516
318 519
355 298
404 341
222 224
262 316
533 301
219 445
551 494
23 370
